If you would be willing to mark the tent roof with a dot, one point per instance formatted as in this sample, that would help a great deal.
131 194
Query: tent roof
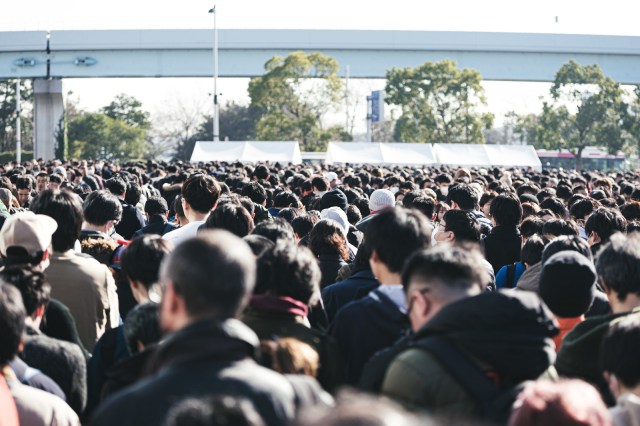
380 153
251 151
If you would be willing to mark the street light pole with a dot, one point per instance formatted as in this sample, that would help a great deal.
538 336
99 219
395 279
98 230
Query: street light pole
216 122
18 129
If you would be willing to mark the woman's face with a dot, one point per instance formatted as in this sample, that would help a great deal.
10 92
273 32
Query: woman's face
486 209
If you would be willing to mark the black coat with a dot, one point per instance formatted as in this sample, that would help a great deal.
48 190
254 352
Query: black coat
337 295
330 264
502 247
157 225
204 358
132 220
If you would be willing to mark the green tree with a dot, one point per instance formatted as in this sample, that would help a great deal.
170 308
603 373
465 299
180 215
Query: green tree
439 103
128 109
292 97
98 136
631 120
8 114
586 109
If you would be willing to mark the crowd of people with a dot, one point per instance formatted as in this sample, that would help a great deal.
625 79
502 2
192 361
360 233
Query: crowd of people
267 294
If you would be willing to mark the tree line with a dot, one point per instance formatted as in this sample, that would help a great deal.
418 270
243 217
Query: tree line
437 103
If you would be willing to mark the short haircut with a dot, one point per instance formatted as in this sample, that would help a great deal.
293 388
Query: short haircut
133 194
142 258
631 210
557 227
286 199
12 316
116 185
275 230
353 214
530 226
449 265
66 208
303 224
605 222
506 210
327 237
463 224
582 208
201 192
255 192
142 325
219 410
618 265
289 270
396 233
425 205
35 291
100 207
555 205
232 217
320 183
214 273
564 243
156 205
621 349
24 183
463 195
363 205
532 249
258 244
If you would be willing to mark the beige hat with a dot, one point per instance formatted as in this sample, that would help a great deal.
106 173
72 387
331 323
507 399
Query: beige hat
27 230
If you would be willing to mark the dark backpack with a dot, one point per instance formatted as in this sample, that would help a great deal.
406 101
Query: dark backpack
493 403
511 276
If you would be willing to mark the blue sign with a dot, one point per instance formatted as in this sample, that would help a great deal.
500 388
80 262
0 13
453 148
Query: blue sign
377 106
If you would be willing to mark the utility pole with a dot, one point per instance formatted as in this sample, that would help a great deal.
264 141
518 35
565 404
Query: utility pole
18 127
216 119
346 99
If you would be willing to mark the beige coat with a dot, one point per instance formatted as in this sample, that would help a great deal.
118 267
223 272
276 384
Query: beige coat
627 412
87 288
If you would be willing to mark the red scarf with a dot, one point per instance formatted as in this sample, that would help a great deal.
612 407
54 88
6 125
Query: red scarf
278 305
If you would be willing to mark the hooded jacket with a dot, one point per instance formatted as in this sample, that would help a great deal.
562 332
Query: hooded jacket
203 358
507 333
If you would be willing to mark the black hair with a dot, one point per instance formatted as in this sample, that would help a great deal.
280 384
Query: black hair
288 214
567 243
631 210
506 210
320 183
463 195
258 244
463 224
303 224
327 237
618 265
532 249
156 205
219 410
424 205
396 233
557 227
286 199
100 207
141 259
12 317
605 222
24 183
289 270
621 349
255 192
353 214
363 205
555 205
34 289
582 208
275 230
201 192
530 226
66 208
133 194
214 273
116 185
232 217
142 325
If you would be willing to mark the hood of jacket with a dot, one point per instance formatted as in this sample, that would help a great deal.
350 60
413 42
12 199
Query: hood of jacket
509 331
530 278
205 341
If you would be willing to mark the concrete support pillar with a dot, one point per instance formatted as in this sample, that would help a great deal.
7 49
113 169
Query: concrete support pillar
48 110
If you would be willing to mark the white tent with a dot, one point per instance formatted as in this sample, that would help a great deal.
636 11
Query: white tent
380 153
253 151
487 155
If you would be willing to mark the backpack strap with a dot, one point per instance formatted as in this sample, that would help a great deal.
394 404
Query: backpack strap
466 372
511 275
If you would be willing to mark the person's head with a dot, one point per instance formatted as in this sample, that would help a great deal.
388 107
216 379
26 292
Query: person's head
435 277
530 226
258 244
12 322
458 225
320 184
581 209
532 249
618 267
555 205
392 236
200 194
209 276
156 206
102 209
42 180
333 198
26 239
24 187
353 214
619 355
289 270
66 209
462 196
381 199
424 205
219 410
255 192
141 327
566 243
140 264
116 185
303 224
556 227
328 237
34 289
569 402
506 210
603 223
275 230
568 284
232 217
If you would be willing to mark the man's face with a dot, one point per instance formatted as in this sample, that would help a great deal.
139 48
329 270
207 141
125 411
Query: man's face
23 196
54 185
42 183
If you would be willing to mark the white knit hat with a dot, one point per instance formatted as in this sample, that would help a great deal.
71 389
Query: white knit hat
337 214
381 199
